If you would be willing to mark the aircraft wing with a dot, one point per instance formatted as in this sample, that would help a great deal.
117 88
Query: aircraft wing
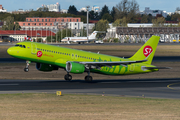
151 68
109 64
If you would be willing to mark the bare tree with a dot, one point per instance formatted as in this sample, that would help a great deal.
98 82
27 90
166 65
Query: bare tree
126 7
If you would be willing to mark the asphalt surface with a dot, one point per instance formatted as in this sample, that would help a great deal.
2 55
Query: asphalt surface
148 88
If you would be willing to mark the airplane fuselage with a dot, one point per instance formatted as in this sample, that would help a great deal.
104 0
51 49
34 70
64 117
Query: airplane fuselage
58 56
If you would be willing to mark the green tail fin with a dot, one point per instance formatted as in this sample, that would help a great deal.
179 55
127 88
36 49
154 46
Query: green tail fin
147 50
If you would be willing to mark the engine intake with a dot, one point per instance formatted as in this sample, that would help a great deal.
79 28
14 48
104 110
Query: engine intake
73 67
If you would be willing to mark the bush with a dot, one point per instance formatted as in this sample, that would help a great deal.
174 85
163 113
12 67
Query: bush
116 40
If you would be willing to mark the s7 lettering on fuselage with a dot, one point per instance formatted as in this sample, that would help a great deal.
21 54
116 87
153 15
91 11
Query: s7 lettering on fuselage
49 58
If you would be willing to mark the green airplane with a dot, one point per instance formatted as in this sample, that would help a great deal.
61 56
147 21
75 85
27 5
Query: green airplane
50 57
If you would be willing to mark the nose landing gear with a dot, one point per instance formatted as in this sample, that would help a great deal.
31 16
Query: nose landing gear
26 69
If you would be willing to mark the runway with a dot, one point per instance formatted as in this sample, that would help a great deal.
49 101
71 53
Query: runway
148 88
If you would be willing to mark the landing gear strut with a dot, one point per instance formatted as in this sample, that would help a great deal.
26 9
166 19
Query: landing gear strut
26 69
88 78
68 77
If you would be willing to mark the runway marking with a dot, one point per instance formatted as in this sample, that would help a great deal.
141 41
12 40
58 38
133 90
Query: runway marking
168 86
8 84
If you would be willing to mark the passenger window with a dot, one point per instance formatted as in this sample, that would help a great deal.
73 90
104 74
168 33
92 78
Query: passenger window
20 45
24 46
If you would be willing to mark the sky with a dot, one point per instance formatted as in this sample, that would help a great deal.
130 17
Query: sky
12 5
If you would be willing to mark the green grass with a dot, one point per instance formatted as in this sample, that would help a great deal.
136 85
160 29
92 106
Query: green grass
79 107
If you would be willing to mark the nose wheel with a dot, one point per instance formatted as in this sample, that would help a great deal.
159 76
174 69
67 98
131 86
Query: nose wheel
26 69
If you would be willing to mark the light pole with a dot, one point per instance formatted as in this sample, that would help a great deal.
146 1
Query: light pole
87 8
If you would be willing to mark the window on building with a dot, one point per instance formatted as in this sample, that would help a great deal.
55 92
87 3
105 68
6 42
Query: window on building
34 20
28 23
34 23
49 20
38 20
51 24
75 24
45 23
67 20
45 20
27 20
77 20
39 23
23 23
42 20
70 20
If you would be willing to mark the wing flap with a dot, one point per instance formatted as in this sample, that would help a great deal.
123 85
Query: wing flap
152 68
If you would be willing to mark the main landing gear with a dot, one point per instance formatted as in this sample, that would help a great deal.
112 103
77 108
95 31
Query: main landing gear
68 77
26 69
87 78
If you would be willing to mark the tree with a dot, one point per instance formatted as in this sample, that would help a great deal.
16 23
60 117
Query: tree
126 7
105 10
159 22
101 25
72 10
43 9
144 19
107 17
63 33
17 26
93 15
8 23
113 13
175 17
120 23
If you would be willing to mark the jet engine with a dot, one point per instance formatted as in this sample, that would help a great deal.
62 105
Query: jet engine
45 67
76 68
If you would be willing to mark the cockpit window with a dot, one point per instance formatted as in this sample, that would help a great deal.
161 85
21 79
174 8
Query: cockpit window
19 45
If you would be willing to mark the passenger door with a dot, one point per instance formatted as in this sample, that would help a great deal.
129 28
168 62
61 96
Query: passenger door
33 48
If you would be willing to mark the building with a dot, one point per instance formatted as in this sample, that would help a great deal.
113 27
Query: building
96 8
83 9
19 35
2 9
64 11
52 7
37 23
75 25
154 13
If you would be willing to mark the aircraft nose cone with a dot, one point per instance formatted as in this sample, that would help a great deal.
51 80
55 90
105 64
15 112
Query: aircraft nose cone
9 51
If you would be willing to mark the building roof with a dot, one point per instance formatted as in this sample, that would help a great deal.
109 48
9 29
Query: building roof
29 33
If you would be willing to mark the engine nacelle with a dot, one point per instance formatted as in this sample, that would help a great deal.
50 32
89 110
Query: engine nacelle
76 68
45 67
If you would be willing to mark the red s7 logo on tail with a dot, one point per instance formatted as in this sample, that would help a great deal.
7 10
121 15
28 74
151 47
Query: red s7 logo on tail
147 50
